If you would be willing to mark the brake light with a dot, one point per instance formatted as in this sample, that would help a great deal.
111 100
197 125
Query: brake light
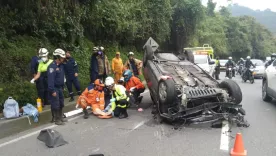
165 77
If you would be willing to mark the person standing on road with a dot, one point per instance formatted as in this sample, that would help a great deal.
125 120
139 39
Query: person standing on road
117 67
134 86
94 65
41 77
231 64
217 68
71 73
273 57
34 67
133 64
56 79
94 96
119 101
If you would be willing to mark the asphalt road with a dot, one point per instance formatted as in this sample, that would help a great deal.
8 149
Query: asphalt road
140 135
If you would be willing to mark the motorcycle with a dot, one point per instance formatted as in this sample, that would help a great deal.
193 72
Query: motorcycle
249 75
240 69
230 72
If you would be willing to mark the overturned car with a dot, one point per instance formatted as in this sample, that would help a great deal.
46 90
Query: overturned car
181 90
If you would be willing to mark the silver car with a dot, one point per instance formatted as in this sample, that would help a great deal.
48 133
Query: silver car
260 68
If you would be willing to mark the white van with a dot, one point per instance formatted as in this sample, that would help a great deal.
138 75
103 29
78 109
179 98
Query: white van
205 62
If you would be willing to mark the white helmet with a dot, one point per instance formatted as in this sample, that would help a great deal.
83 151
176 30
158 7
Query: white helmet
109 81
230 58
59 52
130 53
42 52
248 57
95 49
101 48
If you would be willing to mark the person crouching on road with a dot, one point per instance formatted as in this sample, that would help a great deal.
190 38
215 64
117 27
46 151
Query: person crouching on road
119 101
94 97
135 86
71 73
56 74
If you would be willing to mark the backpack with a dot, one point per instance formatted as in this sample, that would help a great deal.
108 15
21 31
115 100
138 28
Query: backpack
11 108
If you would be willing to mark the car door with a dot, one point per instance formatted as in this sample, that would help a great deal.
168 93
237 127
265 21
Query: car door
271 77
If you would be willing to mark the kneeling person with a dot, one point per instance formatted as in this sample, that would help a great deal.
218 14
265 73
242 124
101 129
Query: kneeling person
94 96
120 100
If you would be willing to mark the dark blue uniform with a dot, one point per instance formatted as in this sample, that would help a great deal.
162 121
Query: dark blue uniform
93 68
55 85
34 66
70 68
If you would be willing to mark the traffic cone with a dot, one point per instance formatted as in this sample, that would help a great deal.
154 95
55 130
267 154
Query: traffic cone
238 149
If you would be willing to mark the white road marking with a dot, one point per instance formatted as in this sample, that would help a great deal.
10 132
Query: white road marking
224 138
31 134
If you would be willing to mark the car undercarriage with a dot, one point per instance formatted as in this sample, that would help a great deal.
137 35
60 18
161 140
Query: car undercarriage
183 91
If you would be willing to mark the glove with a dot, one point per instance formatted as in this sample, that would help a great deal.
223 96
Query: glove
64 79
112 100
32 81
77 106
132 89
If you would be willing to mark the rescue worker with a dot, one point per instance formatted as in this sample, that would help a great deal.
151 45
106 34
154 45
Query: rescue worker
56 80
41 76
94 96
134 86
121 81
248 63
71 74
217 68
94 65
133 64
120 100
273 57
34 66
231 64
101 67
117 67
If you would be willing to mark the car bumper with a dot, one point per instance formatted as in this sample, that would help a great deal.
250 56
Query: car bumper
256 75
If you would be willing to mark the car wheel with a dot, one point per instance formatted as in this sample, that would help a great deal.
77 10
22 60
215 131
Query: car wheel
233 90
166 94
148 54
265 96
190 56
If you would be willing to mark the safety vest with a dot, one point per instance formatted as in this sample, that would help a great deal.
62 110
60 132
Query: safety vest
42 67
120 94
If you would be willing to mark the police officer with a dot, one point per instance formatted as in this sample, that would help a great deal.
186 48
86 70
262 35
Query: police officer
217 69
248 63
55 85
273 57
71 73
34 66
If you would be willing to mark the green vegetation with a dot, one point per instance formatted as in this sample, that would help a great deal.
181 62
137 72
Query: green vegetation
118 25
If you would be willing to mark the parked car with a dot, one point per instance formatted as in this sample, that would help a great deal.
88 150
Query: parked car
181 90
260 68
222 64
269 85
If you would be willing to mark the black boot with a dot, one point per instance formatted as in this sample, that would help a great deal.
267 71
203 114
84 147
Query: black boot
53 116
58 118
79 93
72 98
85 114
63 119
123 114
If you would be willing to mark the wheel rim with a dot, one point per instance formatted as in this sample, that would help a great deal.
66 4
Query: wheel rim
264 90
162 91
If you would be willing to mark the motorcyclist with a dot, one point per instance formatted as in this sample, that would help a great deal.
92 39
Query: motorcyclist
241 61
248 63
230 63
273 57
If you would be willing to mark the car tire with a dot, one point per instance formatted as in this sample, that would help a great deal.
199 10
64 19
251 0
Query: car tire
190 56
166 94
148 54
265 96
233 90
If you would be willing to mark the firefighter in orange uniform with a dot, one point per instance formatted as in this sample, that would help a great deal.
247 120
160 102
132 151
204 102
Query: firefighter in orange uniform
117 67
134 86
94 97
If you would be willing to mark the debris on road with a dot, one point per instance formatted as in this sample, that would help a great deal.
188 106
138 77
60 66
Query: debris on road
51 138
